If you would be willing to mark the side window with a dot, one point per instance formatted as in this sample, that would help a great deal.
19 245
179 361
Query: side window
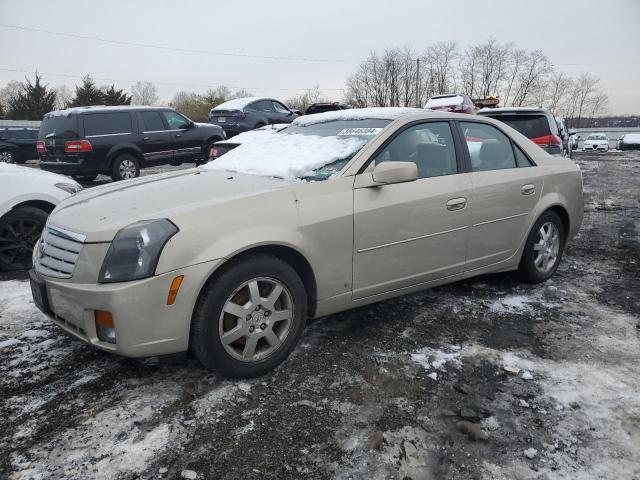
428 145
263 106
107 123
279 107
150 122
489 148
22 134
175 120
521 158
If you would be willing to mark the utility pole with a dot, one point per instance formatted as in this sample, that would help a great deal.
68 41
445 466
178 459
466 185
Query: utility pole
418 82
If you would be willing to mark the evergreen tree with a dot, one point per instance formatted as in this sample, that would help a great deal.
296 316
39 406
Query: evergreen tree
32 101
87 94
116 97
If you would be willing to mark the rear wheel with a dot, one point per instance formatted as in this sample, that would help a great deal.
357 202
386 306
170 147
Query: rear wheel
543 250
7 156
250 318
125 167
19 232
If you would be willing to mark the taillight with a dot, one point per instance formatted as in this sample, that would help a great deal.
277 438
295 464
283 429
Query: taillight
547 140
76 146
41 147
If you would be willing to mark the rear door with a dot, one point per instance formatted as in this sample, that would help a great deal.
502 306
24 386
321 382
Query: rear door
54 131
266 109
104 130
506 189
282 114
410 233
158 144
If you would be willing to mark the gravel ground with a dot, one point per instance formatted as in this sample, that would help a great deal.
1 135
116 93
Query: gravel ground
482 379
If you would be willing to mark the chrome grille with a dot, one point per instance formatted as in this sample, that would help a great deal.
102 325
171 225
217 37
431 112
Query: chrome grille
57 252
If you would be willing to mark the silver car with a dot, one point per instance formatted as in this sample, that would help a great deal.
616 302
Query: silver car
339 210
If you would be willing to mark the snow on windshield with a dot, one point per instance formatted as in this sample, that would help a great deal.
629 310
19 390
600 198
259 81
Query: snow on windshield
597 136
237 103
287 156
385 113
251 135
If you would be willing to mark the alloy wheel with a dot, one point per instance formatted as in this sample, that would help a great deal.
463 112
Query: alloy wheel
546 247
127 169
256 319
7 157
17 239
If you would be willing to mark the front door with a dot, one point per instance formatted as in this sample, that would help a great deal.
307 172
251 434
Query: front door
410 233
188 144
157 142
506 189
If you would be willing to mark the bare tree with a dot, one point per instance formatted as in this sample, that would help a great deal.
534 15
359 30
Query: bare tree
585 87
515 61
303 100
483 67
531 78
144 93
558 88
9 93
598 104
63 96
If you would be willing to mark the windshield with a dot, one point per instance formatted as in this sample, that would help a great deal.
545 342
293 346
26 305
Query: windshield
312 152
597 137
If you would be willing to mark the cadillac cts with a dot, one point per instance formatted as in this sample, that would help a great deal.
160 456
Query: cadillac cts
340 209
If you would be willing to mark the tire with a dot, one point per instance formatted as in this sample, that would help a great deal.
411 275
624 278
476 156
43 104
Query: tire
231 290
540 258
85 178
19 232
124 167
7 156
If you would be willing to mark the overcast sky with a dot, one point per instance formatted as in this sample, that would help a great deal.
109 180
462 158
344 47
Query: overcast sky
600 37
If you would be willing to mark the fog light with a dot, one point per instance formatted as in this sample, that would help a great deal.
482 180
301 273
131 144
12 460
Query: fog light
104 326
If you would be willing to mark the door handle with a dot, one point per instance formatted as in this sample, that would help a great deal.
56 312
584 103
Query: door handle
144 139
178 135
457 203
528 189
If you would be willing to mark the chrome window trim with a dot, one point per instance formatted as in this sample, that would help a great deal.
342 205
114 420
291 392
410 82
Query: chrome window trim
67 234
108 134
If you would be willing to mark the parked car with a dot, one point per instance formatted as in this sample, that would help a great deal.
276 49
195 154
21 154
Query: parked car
27 197
537 124
242 114
451 102
565 136
119 141
18 144
596 141
223 146
321 107
629 141
339 210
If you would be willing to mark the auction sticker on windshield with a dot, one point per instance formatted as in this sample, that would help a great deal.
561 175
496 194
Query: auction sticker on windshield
360 131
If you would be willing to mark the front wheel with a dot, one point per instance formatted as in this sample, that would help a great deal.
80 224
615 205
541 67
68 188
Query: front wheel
543 250
249 319
19 232
125 167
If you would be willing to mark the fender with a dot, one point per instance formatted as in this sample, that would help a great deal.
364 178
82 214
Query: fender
119 148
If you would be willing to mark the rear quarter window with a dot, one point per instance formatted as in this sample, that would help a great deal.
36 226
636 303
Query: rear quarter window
107 123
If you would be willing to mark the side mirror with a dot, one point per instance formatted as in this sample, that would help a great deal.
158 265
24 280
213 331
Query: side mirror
387 173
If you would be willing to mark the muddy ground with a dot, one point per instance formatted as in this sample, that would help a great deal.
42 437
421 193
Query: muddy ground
547 377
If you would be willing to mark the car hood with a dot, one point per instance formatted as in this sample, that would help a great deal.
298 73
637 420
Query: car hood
100 212
28 173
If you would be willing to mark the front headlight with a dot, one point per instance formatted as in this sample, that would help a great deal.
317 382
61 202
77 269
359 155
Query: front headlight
69 187
135 250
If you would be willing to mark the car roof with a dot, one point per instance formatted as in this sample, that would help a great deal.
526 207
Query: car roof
516 110
101 109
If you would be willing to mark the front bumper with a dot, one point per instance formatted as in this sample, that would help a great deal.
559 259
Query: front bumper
144 324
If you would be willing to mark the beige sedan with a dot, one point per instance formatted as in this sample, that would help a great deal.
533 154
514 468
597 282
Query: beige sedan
339 210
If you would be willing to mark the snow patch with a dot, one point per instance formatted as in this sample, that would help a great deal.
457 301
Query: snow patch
237 103
383 113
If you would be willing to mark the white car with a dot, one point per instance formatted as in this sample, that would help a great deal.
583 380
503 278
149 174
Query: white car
27 197
596 141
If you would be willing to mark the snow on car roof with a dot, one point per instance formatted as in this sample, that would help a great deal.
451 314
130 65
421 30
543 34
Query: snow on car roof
382 113
444 101
286 156
237 103
110 108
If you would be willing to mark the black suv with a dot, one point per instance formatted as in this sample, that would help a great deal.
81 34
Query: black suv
18 144
119 141
326 107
